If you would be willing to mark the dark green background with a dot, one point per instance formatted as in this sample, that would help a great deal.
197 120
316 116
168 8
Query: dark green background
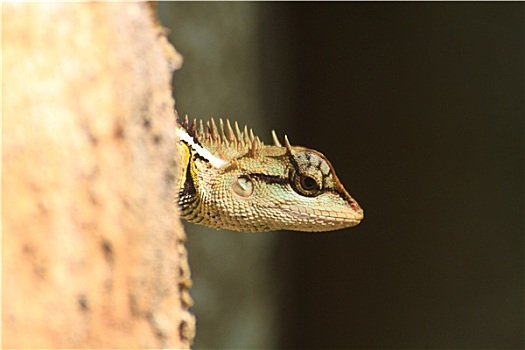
420 107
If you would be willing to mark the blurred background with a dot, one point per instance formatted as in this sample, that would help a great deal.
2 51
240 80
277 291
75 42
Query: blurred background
420 108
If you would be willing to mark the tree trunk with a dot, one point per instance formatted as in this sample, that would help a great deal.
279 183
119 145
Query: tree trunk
93 250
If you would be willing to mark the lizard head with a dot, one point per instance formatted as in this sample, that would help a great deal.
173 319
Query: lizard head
251 186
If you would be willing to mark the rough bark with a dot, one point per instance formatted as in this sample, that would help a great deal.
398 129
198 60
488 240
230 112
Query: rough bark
93 251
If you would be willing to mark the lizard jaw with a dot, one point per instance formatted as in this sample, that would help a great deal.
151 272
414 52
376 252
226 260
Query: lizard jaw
321 220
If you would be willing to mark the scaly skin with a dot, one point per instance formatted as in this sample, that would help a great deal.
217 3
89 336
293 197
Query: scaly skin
229 179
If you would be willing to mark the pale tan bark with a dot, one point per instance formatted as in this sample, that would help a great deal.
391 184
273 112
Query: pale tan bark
93 251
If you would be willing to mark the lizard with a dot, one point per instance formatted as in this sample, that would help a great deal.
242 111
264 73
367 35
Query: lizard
229 179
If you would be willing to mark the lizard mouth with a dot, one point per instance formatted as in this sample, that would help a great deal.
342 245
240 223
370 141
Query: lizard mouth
316 220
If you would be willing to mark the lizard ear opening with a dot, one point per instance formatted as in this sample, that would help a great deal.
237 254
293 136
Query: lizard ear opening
242 186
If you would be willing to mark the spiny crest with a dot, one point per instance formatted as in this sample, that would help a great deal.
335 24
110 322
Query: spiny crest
226 136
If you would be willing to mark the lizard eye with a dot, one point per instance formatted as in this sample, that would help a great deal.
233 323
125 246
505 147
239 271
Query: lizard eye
242 186
305 185
308 183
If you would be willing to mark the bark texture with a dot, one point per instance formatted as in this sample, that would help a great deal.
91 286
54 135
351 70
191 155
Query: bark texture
93 251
